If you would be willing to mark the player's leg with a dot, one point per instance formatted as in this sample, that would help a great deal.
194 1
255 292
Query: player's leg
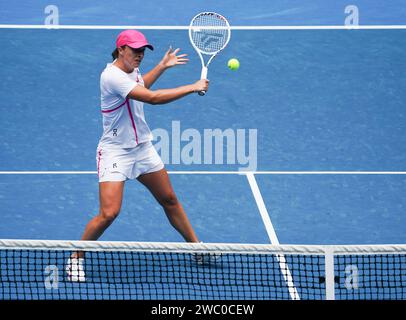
159 185
111 197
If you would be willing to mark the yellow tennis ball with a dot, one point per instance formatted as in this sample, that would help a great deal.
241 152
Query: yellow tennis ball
233 64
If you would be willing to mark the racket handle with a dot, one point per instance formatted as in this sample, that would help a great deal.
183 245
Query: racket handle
203 75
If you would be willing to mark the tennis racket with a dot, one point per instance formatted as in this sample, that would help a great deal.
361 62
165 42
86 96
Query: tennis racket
209 33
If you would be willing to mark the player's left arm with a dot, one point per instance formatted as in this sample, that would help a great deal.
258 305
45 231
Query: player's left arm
170 59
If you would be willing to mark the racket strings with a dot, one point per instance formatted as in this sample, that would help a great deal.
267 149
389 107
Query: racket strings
210 32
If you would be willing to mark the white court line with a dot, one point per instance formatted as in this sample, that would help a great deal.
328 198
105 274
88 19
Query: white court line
112 27
46 172
262 209
332 172
272 236
228 172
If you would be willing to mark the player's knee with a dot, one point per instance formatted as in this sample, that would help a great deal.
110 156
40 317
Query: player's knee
108 214
169 200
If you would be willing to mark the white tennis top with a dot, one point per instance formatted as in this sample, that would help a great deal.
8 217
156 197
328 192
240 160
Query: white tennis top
124 124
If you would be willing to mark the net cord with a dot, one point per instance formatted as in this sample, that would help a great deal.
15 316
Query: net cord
202 247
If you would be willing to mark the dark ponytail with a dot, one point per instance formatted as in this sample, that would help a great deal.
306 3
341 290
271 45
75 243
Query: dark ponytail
114 54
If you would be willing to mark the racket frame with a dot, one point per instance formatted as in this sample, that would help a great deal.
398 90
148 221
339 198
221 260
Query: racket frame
205 66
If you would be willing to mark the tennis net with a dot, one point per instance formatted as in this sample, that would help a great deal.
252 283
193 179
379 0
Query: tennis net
39 269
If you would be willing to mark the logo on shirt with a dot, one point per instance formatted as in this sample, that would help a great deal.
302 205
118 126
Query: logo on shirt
114 165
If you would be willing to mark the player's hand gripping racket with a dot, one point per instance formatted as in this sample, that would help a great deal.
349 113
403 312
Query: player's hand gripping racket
209 33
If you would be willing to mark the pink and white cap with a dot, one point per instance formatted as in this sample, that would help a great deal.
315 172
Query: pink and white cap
133 39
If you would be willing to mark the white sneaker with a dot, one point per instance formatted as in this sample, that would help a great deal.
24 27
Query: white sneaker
75 270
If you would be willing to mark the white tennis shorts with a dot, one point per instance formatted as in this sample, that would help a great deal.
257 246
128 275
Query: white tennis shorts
123 164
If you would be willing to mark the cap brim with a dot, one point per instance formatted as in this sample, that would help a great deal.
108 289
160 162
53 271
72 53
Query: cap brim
137 45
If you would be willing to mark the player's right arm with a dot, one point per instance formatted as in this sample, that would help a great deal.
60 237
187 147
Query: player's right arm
163 96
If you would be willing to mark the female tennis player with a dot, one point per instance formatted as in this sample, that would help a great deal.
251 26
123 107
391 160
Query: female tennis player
125 151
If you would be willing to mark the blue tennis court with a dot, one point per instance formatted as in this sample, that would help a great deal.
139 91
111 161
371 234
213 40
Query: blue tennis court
304 144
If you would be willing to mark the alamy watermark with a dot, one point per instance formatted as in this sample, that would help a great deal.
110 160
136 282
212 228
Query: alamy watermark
352 19
209 146
51 280
351 279
52 18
